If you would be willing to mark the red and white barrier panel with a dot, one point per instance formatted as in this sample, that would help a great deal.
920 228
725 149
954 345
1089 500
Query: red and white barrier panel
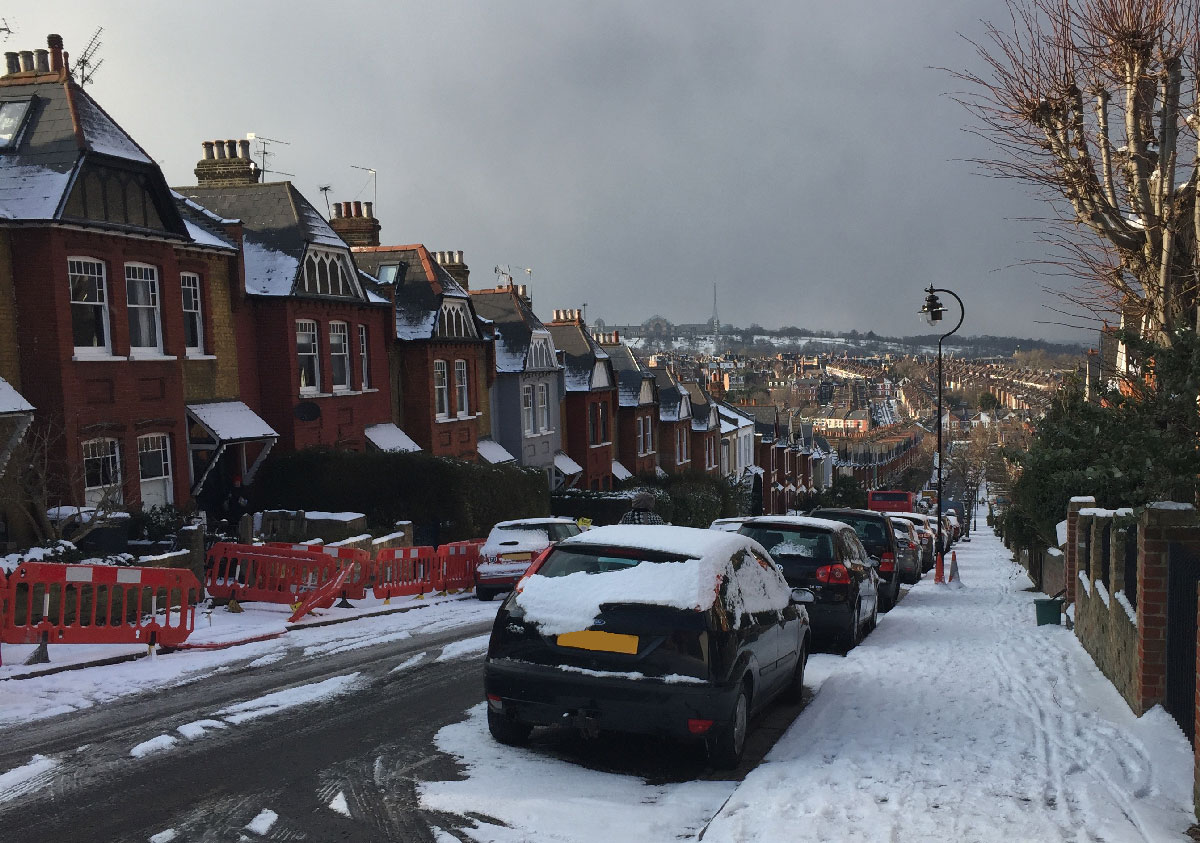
98 604
402 571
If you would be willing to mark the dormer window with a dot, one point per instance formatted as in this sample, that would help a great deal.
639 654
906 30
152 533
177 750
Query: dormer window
541 354
328 274
12 118
455 322
388 272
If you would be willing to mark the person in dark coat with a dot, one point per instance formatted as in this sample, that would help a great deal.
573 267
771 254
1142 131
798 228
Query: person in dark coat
642 511
235 502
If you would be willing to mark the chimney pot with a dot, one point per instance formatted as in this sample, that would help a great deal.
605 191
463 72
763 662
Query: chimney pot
458 258
219 148
346 209
231 149
12 62
369 209
208 150
358 209
42 60
337 210
26 60
244 148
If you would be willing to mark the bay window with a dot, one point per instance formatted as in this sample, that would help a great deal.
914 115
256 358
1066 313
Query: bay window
441 389
89 306
528 416
339 355
461 388
141 300
154 468
307 349
193 319
543 405
101 472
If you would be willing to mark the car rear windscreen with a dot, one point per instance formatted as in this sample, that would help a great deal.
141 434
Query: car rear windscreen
802 542
597 560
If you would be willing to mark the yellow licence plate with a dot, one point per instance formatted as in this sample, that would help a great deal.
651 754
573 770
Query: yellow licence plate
590 639
516 557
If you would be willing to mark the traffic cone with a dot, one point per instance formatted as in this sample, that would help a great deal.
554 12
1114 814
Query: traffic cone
939 569
954 577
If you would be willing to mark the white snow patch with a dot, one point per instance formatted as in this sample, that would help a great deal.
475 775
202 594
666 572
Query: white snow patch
20 780
281 700
407 663
1087 585
263 822
333 516
1130 612
338 803
270 658
1170 506
1102 592
164 836
467 647
198 728
158 744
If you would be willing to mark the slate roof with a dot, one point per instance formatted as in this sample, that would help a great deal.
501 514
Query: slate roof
701 409
630 375
278 225
581 352
670 394
420 285
514 323
64 131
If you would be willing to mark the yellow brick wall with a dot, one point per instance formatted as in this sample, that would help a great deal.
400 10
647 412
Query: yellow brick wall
208 380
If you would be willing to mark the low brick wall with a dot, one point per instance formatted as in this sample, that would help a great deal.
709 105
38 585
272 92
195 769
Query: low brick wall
1053 571
1102 623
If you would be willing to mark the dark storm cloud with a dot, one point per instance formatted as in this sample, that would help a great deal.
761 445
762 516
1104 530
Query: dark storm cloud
803 156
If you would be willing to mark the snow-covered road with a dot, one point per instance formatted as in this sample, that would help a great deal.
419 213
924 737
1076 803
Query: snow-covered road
958 719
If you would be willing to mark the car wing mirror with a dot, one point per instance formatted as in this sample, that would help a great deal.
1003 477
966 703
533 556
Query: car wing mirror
803 595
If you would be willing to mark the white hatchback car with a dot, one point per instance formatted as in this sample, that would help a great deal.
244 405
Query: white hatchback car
511 546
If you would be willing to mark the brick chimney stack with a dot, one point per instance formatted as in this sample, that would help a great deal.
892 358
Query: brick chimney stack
36 65
226 163
355 223
453 263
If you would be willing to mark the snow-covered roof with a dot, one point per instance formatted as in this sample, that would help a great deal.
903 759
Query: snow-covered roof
12 401
493 452
620 472
566 465
570 603
231 421
389 437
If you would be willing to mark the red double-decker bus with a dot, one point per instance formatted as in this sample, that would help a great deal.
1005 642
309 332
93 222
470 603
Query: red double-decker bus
891 501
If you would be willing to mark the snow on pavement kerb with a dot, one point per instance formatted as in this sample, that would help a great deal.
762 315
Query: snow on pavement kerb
957 719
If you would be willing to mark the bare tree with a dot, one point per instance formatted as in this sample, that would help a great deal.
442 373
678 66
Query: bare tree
1095 103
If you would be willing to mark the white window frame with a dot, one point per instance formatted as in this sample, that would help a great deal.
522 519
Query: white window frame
528 411
543 407
641 436
339 332
76 266
189 286
441 389
160 442
144 273
364 359
650 449
338 278
462 389
309 327
454 321
100 452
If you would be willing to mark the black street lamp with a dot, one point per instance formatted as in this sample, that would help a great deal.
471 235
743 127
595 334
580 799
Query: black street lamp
934 312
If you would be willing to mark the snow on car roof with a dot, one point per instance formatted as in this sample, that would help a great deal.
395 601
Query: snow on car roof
518 522
570 603
799 521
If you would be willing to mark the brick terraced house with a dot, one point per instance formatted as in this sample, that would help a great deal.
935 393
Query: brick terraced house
589 406
114 295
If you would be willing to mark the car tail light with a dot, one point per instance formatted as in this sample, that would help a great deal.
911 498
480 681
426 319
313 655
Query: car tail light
699 727
834 574
532 569
887 561
912 545
495 703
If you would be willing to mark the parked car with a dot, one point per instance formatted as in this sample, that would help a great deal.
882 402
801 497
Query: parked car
647 629
908 550
727 525
926 533
955 527
875 532
511 546
827 558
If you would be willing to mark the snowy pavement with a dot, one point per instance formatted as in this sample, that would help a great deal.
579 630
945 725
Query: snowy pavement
957 719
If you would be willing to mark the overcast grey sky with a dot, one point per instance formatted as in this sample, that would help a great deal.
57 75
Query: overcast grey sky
802 155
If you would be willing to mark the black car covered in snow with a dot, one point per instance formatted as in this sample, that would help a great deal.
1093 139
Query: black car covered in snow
648 629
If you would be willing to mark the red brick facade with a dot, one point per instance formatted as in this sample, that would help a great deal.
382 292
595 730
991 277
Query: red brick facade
628 420
456 433
588 445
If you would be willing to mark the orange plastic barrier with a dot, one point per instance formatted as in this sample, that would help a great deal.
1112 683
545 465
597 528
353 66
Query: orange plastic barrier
322 596
98 604
455 565
403 571
267 574
362 576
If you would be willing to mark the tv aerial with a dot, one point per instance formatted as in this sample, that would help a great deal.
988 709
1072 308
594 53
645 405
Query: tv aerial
87 64
5 29
325 188
374 182
264 153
